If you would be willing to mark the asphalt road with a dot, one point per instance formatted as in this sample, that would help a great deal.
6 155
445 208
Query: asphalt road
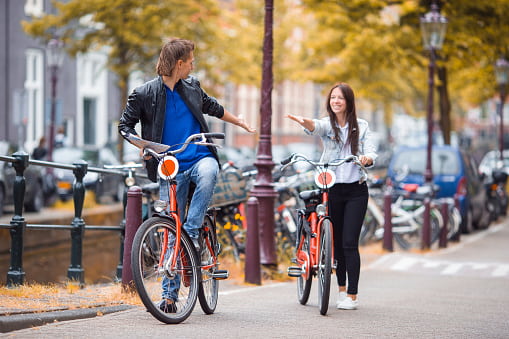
458 292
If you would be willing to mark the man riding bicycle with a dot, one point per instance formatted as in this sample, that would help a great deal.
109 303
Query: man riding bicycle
171 107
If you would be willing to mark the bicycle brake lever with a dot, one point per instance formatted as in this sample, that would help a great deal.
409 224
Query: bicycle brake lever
363 177
207 144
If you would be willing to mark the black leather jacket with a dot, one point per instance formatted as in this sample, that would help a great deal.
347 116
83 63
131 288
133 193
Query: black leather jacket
147 104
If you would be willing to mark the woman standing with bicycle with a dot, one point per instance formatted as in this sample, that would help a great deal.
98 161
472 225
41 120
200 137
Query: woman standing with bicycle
343 134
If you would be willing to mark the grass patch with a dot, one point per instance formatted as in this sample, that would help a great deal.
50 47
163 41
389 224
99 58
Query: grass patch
43 297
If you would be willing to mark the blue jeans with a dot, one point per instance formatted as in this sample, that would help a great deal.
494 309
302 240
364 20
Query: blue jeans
204 175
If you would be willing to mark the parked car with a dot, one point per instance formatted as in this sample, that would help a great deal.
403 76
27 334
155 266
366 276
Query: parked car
495 173
491 160
455 173
104 185
39 186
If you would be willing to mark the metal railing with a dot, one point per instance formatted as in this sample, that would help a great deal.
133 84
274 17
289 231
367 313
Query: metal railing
17 227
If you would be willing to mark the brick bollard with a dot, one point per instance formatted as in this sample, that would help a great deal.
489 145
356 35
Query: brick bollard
252 265
388 239
133 220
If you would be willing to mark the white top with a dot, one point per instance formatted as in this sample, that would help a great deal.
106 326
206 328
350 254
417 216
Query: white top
348 172
334 150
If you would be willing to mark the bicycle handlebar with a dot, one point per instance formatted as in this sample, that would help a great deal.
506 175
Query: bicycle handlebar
158 150
296 157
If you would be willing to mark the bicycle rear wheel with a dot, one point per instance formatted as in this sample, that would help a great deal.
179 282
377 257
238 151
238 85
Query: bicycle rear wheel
209 287
324 266
151 278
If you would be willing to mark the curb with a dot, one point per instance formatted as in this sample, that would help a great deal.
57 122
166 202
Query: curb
18 322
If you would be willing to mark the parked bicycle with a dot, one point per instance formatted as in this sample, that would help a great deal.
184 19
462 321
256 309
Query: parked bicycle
407 217
497 200
230 196
164 254
314 249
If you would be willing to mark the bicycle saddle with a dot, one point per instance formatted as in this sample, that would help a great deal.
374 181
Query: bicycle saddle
306 195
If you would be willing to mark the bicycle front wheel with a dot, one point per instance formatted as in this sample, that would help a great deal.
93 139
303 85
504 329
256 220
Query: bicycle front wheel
209 287
324 266
155 280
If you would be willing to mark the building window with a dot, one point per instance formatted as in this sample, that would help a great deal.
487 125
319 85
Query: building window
34 8
89 119
34 86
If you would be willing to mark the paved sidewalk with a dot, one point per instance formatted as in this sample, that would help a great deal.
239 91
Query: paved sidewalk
17 311
61 304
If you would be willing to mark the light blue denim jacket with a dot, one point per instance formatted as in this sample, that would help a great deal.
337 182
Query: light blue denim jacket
331 148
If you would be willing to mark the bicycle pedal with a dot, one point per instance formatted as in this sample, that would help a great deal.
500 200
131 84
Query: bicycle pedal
294 260
220 275
294 271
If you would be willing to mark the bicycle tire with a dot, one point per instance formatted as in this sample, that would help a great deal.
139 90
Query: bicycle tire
148 276
209 287
304 283
324 266
413 239
454 223
230 231
287 224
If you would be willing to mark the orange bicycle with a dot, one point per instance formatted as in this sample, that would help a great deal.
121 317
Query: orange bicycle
314 248
164 254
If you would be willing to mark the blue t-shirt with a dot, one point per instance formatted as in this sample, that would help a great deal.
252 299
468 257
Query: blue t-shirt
179 124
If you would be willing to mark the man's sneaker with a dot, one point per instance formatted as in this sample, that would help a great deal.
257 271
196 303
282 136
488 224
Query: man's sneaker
347 304
341 296
167 307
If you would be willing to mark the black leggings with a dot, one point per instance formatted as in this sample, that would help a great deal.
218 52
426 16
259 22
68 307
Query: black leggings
348 204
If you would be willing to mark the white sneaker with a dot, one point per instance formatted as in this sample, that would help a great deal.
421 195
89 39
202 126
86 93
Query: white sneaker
348 304
341 296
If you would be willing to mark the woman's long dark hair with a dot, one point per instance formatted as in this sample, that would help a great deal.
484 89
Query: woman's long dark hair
351 117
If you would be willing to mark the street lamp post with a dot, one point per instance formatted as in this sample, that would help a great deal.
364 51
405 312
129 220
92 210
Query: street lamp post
55 58
433 26
263 188
502 76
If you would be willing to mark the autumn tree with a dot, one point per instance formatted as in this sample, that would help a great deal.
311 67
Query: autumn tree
376 45
131 30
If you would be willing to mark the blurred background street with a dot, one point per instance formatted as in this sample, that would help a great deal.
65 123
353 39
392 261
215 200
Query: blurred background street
429 76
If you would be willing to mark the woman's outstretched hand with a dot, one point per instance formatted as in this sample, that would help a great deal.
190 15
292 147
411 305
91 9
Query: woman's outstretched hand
304 122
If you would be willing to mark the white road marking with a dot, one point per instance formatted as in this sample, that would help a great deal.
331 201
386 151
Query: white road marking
500 271
451 269
404 264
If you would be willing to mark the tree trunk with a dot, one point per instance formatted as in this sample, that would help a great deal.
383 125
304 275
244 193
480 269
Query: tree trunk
444 104
122 85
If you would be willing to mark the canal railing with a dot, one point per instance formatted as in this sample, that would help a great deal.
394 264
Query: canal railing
18 225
